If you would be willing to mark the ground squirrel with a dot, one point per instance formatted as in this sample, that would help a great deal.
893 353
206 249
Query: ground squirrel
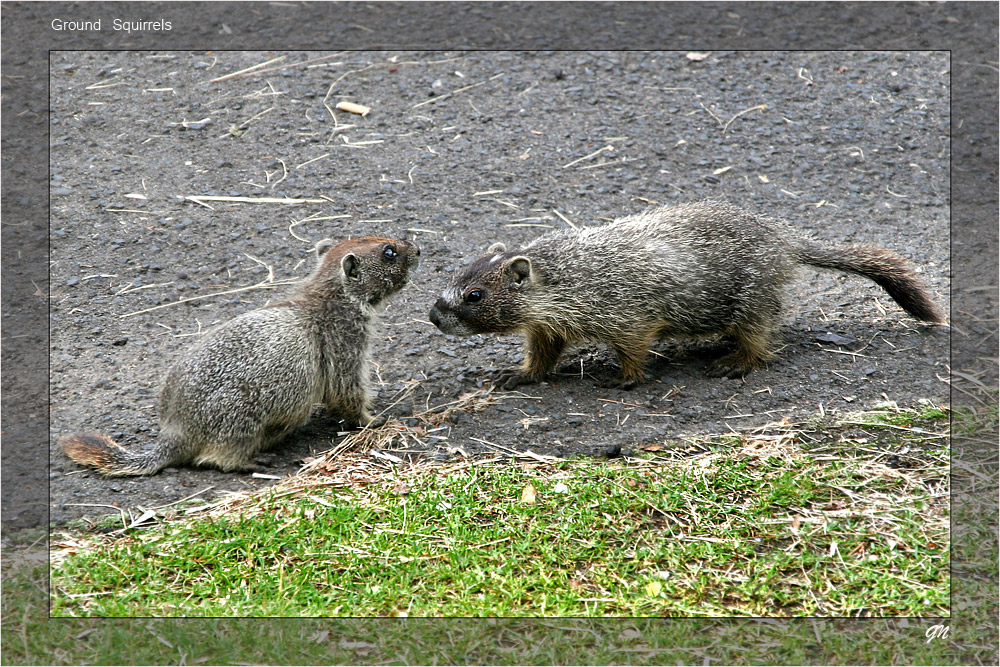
255 379
698 269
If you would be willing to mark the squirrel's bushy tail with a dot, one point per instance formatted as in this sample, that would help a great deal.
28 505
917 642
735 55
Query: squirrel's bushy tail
110 458
884 267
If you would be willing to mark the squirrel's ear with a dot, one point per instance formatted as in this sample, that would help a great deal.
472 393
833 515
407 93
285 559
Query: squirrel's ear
496 247
322 246
520 266
351 266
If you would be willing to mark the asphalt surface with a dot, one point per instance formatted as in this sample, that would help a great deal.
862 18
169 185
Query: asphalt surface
461 149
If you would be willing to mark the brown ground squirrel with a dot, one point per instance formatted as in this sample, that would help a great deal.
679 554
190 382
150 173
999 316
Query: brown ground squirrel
698 269
255 379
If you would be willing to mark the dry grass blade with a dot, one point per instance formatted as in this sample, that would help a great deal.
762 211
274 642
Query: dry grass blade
261 285
759 107
201 199
258 69
587 157
565 219
247 70
456 91
299 166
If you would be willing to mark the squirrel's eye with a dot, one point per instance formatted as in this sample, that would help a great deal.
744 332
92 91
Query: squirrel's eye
390 252
474 296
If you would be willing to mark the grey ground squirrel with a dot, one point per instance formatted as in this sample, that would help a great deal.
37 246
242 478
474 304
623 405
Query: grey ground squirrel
255 379
698 269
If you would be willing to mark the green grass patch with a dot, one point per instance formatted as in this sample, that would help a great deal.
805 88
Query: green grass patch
975 552
819 522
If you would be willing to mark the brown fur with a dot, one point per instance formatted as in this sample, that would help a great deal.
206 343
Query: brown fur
702 269
255 379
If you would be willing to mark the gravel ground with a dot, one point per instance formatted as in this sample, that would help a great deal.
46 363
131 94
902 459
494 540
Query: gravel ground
461 149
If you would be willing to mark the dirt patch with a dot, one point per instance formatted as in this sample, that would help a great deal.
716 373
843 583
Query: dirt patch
461 149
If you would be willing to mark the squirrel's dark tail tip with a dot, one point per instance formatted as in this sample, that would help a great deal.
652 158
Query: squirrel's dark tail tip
106 455
927 311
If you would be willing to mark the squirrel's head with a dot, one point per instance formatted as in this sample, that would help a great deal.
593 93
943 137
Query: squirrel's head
488 296
370 268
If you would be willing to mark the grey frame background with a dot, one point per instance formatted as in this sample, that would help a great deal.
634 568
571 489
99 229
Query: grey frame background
967 30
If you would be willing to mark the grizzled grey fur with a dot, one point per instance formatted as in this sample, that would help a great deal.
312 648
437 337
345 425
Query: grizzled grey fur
699 269
255 379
